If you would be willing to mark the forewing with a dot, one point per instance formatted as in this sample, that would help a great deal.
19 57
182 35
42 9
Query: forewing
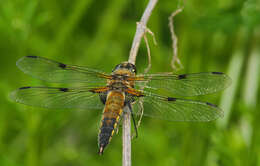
185 84
175 109
52 71
57 98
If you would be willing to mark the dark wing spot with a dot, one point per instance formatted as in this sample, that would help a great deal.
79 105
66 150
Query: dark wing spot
213 105
31 56
182 76
217 73
171 99
64 89
62 65
27 87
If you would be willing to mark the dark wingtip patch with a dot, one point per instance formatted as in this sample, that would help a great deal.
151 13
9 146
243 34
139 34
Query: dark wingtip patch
213 105
31 56
62 65
217 73
26 87
182 76
64 89
171 99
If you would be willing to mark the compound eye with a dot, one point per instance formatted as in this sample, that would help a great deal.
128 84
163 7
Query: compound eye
133 70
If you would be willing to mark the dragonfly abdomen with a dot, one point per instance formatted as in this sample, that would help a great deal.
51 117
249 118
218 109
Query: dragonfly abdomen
112 112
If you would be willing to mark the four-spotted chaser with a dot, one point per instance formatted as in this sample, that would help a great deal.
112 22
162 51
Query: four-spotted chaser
122 88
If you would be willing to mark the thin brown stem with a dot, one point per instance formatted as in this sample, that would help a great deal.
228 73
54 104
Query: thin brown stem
140 31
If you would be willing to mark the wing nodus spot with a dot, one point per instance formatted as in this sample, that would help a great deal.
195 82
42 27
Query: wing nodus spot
171 99
182 76
26 87
64 89
61 65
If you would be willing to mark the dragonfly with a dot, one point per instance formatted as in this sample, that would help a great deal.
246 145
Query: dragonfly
96 90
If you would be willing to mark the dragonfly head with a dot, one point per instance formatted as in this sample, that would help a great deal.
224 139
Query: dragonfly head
125 67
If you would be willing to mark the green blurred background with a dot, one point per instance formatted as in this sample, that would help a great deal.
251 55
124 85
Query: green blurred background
221 35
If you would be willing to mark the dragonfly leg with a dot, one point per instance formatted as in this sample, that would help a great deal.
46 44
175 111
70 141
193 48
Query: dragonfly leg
142 112
132 115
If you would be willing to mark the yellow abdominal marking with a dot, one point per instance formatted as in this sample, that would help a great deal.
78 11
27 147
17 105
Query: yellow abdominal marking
112 133
115 125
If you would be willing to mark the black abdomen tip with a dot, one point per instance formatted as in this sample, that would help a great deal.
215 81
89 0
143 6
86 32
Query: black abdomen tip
103 141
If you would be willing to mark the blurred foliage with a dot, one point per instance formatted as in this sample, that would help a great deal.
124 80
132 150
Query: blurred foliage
220 35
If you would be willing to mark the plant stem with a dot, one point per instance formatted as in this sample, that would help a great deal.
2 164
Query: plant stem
140 31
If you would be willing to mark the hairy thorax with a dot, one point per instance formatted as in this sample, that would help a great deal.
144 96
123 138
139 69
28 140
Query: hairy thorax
119 83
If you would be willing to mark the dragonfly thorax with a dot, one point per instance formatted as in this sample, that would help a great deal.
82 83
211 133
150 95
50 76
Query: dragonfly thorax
118 85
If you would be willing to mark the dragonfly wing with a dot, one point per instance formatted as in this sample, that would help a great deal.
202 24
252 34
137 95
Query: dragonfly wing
57 98
175 109
185 84
52 71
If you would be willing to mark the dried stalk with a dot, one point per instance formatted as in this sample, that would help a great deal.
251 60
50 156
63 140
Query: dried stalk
175 58
140 31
